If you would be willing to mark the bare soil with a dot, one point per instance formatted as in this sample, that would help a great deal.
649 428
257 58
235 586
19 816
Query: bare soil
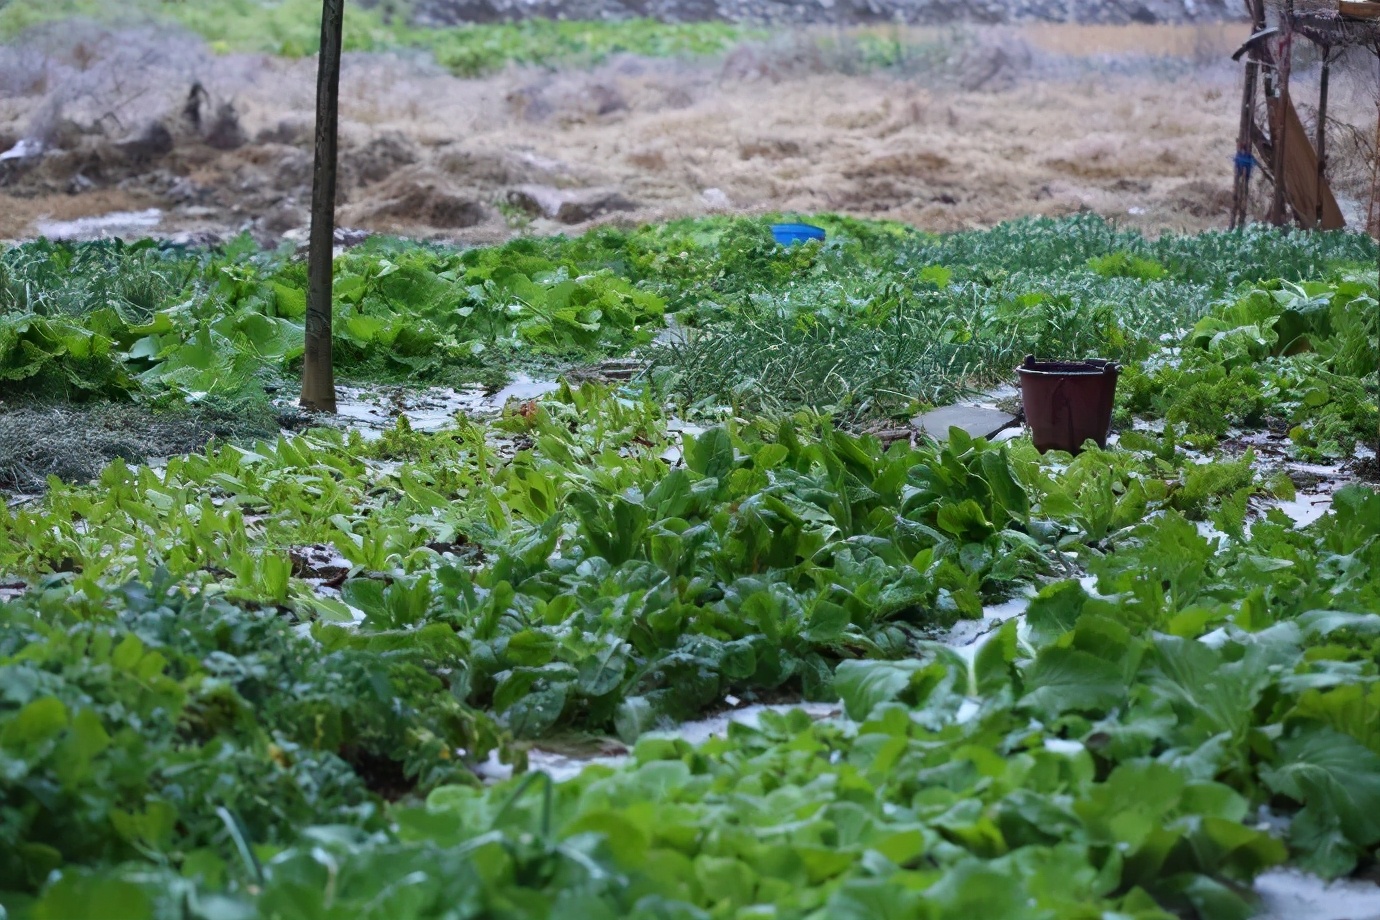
1133 122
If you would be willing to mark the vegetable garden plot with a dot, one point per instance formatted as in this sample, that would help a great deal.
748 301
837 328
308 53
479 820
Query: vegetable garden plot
879 321
261 680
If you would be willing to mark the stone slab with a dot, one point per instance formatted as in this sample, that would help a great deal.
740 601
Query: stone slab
976 421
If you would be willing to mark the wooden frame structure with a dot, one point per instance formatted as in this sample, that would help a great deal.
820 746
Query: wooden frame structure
1276 142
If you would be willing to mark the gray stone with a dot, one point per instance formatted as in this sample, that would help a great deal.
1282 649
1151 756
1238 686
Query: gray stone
152 142
225 131
380 158
285 216
977 421
568 206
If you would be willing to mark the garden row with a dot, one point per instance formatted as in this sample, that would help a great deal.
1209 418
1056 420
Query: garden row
260 680
879 321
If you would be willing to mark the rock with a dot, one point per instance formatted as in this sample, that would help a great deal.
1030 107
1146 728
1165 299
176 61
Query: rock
65 134
568 206
451 211
26 148
380 158
976 421
433 207
349 236
78 184
567 98
225 131
606 98
419 196
292 168
198 238
285 216
294 132
992 64
182 190
494 167
149 144
715 199
771 148
1200 198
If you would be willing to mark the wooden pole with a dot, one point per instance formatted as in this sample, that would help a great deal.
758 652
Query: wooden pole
1242 187
1277 129
1322 134
318 374
1373 208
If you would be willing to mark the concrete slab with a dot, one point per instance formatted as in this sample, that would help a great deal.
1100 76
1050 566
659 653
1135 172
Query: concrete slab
977 421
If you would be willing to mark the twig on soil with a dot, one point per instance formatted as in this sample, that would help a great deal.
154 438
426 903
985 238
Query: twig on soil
889 436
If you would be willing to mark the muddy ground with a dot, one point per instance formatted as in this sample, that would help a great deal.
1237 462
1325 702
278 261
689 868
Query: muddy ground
977 126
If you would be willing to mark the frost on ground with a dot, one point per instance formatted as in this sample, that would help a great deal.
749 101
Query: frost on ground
1288 894
565 764
373 410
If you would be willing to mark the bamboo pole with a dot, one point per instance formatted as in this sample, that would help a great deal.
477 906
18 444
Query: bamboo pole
318 375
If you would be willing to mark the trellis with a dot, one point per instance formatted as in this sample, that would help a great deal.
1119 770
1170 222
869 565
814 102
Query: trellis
1277 144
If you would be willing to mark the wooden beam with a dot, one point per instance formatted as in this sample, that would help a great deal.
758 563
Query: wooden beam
1358 9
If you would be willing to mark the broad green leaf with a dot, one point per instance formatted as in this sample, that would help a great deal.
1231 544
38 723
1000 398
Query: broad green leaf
1335 778
1054 611
1062 680
863 684
76 894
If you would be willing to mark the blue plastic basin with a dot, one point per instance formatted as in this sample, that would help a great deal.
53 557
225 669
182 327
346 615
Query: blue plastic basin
790 234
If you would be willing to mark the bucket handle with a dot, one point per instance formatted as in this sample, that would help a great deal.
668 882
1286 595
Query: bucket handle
1111 367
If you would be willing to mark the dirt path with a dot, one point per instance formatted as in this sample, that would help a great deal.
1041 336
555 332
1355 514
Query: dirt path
1135 123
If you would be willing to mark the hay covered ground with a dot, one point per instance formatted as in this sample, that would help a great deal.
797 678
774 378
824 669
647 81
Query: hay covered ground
960 128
